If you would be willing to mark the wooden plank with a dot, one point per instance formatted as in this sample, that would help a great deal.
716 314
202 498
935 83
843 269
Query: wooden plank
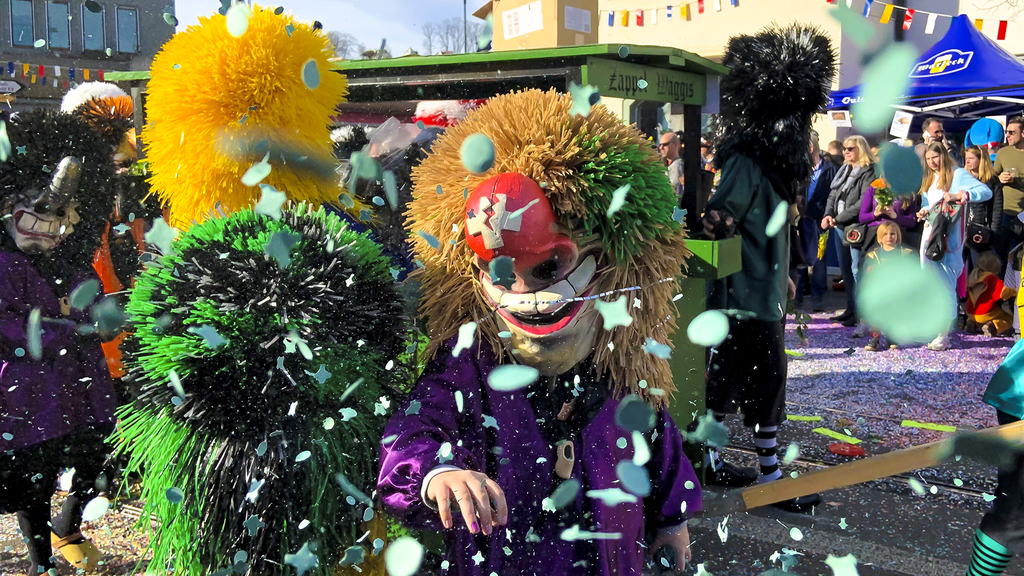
856 472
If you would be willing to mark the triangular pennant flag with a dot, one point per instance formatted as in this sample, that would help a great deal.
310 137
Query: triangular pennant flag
867 7
886 14
625 18
718 5
929 27
908 19
700 6
639 17
1002 30
611 18
978 23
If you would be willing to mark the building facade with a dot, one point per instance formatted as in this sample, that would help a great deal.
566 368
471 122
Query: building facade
48 46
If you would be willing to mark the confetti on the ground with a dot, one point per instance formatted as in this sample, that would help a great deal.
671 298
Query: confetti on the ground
928 426
799 418
614 313
842 565
511 377
837 435
792 453
796 534
709 328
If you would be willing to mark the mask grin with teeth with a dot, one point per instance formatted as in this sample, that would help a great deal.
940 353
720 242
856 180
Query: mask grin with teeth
527 248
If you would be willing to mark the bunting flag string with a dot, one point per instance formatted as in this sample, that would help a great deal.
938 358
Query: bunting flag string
681 11
45 75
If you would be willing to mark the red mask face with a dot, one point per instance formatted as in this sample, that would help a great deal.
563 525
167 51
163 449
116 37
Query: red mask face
553 325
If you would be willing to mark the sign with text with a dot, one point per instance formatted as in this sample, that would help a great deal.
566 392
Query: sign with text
625 80
9 86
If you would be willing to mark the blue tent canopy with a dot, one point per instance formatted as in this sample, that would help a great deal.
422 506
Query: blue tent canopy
965 74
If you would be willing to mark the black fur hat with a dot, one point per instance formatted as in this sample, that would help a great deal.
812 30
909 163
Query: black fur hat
40 139
778 79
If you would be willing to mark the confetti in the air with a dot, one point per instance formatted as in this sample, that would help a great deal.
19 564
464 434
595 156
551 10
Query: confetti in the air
466 333
634 478
35 334
905 301
237 20
304 559
612 496
655 348
709 328
477 153
175 495
583 99
885 80
311 74
271 201
902 169
258 171
618 199
280 246
777 220
842 565
161 235
614 313
511 377
431 240
84 294
854 26
209 334
710 431
95 509
502 271
796 534
403 557
5 142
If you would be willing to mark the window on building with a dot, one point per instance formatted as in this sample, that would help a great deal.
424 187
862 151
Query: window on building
92 29
127 30
21 23
58 25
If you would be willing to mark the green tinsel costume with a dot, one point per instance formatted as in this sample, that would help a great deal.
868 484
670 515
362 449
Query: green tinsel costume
261 347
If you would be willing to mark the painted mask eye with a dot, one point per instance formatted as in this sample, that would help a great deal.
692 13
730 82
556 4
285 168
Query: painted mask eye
546 270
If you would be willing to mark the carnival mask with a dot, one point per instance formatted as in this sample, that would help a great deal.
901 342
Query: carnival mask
546 306
43 219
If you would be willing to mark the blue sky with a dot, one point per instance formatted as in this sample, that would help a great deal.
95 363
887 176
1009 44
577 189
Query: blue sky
368 20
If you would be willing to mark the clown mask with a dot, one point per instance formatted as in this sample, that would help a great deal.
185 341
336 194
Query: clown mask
41 220
544 304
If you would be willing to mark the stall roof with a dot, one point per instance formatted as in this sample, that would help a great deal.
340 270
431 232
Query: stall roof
484 74
963 74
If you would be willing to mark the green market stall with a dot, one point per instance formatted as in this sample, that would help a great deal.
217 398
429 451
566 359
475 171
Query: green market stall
624 75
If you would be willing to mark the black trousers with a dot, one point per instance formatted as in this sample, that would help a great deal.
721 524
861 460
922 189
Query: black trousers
1005 522
747 372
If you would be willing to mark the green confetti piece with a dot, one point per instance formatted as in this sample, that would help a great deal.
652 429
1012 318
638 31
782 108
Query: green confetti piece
988 497
678 214
5 142
710 431
431 240
842 566
634 415
796 534
798 418
95 509
958 482
777 220
563 495
403 557
902 170
842 524
311 74
634 478
271 201
303 456
928 426
709 328
792 453
622 443
35 334
618 199
391 189
837 435
612 496
93 6
623 51
614 313
655 348
583 99
170 19
175 495
854 25
305 559
109 52
477 153
280 245
502 271
209 334
905 301
237 19
794 353
161 235
258 171
328 423
885 81
39 43
84 294
377 200
916 486
466 333
641 452
511 377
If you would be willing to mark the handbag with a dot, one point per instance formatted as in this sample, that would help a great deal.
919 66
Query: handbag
854 234
946 218
978 237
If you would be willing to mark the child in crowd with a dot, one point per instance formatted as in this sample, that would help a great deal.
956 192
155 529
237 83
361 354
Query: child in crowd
985 296
890 240
1001 534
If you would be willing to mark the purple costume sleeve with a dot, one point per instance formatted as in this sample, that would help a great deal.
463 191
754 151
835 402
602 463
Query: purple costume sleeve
676 491
426 421
21 291
867 208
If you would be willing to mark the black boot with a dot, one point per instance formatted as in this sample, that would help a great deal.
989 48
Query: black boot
729 475
847 314
34 524
800 504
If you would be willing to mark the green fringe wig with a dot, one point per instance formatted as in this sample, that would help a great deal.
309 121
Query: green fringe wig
261 347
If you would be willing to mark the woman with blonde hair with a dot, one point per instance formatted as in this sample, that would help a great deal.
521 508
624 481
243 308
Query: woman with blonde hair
944 183
984 219
843 209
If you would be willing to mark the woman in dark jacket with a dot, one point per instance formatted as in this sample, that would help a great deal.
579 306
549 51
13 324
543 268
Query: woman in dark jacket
843 209
984 219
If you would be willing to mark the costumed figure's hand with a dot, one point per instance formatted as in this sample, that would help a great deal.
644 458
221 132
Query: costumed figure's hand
480 499
827 222
717 227
679 542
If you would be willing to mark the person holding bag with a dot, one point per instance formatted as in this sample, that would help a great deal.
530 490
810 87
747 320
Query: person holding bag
943 241
843 210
